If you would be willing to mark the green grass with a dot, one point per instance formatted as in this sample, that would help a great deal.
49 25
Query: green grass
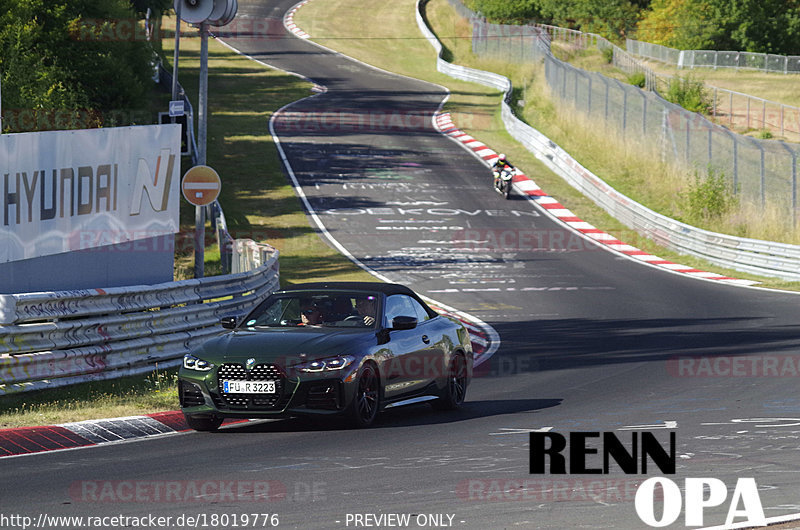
127 396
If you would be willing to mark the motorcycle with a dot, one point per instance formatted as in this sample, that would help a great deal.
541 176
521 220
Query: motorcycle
502 181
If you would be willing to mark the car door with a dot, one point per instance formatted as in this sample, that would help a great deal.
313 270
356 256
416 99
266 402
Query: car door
415 359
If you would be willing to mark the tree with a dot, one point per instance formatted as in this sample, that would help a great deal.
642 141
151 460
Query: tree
157 6
682 24
69 55
505 12
763 26
613 19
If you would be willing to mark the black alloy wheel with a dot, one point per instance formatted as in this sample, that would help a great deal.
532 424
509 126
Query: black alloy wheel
364 408
456 389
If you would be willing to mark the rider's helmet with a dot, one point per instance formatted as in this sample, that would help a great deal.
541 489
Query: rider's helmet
502 157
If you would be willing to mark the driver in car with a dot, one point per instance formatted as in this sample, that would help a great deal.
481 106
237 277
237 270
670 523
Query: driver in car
366 308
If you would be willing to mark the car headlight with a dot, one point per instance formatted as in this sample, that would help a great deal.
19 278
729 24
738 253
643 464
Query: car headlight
326 365
190 362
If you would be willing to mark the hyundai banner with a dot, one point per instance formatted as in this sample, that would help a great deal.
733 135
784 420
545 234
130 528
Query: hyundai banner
63 191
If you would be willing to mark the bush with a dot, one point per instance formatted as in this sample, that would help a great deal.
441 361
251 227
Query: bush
710 197
689 93
608 54
637 79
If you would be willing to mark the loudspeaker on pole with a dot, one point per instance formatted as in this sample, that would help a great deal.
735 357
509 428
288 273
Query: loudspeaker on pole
195 11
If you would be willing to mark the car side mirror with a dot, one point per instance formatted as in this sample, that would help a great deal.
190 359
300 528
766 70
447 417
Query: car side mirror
228 322
403 322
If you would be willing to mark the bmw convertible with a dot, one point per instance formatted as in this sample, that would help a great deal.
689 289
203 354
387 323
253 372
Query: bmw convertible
346 349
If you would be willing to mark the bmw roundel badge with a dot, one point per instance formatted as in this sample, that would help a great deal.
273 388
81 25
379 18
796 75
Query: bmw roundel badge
251 362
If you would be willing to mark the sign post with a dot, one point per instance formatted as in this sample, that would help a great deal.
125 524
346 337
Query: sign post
203 13
200 186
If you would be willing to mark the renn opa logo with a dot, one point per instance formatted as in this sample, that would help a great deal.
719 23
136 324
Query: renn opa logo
155 185
699 493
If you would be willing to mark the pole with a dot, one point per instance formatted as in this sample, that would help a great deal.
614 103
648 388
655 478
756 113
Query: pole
199 213
176 54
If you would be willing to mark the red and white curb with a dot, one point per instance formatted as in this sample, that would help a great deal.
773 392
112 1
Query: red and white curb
28 440
288 21
555 209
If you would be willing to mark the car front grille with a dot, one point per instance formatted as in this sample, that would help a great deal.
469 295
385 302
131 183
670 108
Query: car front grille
260 372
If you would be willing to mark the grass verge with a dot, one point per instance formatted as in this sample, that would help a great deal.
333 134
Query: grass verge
128 396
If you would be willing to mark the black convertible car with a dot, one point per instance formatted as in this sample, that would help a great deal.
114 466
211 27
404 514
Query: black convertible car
348 349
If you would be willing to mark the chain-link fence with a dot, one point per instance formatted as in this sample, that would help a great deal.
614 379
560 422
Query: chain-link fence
766 62
759 171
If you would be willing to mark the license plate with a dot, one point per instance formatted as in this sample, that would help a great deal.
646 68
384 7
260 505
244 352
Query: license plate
248 387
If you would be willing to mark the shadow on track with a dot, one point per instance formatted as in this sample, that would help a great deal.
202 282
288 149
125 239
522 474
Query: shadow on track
410 416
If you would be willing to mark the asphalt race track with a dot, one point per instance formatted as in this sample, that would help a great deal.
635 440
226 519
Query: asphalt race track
590 341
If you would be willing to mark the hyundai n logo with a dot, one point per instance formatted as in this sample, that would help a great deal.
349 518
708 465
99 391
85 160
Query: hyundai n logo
153 184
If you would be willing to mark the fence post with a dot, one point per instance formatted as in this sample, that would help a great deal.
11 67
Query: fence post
793 154
589 95
688 135
731 108
644 113
762 170
748 112
624 109
714 108
782 130
735 164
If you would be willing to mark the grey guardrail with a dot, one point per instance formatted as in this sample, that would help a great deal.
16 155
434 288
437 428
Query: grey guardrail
754 256
53 339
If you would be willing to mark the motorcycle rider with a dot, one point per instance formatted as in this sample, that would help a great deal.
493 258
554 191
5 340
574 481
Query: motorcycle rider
501 164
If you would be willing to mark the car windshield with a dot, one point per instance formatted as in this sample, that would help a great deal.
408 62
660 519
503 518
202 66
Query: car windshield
313 309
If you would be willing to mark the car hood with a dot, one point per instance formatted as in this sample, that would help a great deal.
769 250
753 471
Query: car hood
278 345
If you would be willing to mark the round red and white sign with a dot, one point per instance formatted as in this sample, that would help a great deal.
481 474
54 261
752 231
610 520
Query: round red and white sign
201 185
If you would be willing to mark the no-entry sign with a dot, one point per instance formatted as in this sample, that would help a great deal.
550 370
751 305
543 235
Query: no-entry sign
201 185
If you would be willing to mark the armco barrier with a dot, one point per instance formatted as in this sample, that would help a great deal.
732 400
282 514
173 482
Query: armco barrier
748 255
53 339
